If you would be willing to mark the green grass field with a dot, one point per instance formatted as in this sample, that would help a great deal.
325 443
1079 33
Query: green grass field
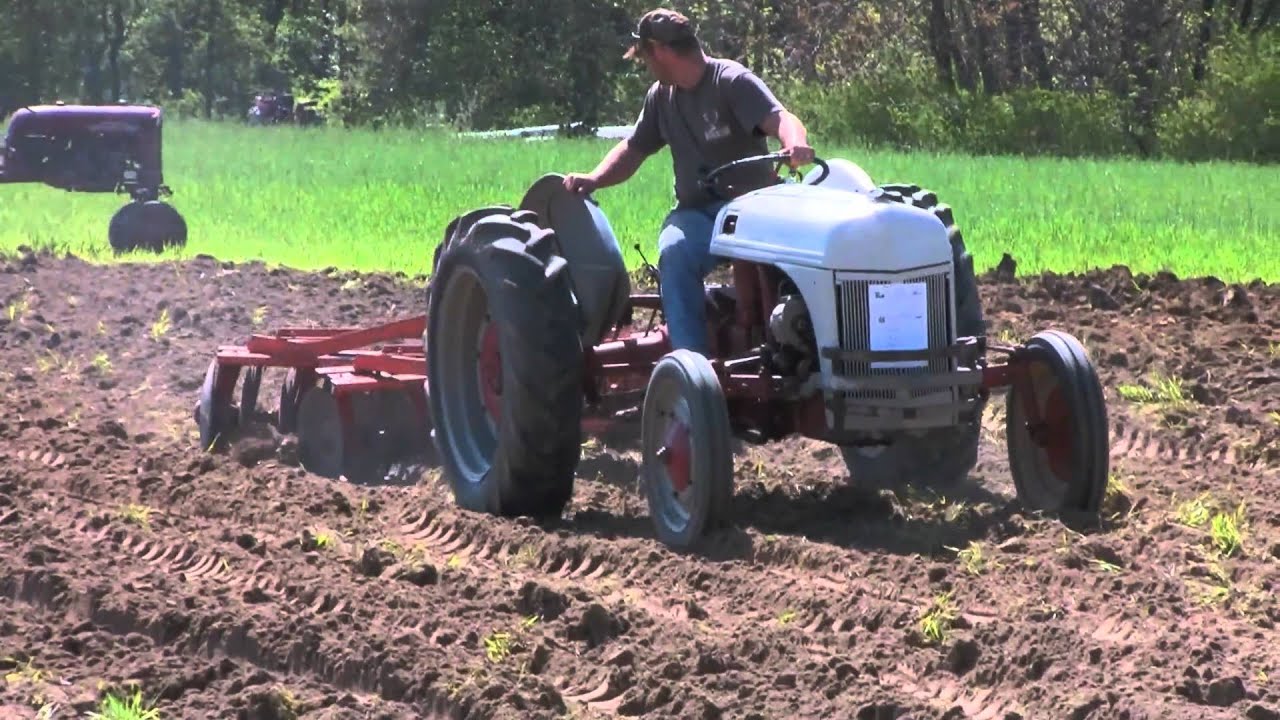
370 200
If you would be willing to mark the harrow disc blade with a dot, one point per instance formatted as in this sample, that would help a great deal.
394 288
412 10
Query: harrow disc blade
249 388
333 435
213 412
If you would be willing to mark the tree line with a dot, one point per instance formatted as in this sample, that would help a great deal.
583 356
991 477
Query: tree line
1187 79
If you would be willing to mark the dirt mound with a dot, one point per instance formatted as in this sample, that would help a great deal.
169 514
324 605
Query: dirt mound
236 585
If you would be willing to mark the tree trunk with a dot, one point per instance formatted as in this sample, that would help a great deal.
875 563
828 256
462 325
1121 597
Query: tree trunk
1202 45
214 18
941 42
964 68
1014 42
116 42
985 50
1034 39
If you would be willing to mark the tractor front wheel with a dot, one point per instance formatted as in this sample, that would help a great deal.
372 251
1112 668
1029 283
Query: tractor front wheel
505 365
687 465
1056 421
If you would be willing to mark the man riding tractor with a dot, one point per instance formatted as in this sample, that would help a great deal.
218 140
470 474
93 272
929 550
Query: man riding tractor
710 111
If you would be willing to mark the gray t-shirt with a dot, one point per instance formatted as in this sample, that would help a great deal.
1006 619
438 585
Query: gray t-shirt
713 123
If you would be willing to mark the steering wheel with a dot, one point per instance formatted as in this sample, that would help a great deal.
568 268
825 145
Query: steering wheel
781 157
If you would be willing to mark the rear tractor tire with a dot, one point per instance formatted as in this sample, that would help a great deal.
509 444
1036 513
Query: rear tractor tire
687 465
505 365
1060 460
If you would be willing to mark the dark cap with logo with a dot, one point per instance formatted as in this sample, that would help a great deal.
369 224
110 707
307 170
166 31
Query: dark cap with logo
663 26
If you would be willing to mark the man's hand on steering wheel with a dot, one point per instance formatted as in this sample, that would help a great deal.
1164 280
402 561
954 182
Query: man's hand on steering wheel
798 155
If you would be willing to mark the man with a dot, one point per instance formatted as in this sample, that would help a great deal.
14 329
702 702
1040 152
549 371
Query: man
710 111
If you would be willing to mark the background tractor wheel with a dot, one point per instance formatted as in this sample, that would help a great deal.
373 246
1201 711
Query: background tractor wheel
687 462
152 225
1063 460
505 368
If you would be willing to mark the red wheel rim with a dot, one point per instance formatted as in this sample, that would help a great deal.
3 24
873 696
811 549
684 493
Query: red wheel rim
490 368
1058 436
676 455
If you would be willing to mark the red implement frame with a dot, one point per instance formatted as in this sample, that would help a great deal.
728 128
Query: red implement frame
342 354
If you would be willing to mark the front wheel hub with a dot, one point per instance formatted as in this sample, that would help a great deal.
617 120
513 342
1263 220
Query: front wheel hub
675 455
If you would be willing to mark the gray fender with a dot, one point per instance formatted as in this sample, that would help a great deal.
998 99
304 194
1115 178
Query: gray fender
596 267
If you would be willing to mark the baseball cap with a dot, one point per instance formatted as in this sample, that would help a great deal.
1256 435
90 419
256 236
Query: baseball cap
663 25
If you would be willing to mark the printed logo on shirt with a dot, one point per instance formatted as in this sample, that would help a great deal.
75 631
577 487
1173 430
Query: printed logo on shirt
714 129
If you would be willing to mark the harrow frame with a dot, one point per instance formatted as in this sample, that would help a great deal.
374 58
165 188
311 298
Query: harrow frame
340 360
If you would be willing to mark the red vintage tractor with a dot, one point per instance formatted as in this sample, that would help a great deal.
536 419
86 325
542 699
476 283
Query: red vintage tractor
98 148
852 317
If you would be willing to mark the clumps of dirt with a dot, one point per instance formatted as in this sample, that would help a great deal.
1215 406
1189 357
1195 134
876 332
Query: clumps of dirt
598 625
239 585
1118 289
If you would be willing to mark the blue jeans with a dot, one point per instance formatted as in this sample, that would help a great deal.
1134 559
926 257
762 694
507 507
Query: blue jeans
684 260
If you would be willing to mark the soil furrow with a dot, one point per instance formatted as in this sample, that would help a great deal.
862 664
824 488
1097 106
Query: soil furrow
237 585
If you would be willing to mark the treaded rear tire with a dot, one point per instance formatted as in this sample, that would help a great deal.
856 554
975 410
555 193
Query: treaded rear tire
524 462
970 319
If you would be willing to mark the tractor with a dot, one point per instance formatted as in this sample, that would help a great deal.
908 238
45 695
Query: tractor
852 316
98 148
270 108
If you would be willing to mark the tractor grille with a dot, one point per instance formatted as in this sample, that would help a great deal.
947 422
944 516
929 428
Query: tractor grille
854 312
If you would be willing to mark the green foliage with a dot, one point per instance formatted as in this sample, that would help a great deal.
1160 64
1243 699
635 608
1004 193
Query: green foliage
1061 77
1032 121
380 200
896 103
1235 113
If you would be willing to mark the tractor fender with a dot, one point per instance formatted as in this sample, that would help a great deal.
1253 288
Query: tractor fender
597 270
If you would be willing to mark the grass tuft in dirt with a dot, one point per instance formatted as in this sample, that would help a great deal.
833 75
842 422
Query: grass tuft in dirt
113 707
936 621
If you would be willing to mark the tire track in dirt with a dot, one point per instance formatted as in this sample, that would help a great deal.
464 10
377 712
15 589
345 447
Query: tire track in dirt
853 611
241 592
807 608
945 695
575 561
201 634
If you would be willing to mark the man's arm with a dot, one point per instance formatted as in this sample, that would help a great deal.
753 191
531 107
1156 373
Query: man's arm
618 165
785 126
757 107
627 156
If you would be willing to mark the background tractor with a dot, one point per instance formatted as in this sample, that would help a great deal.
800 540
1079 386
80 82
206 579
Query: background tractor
852 317
271 108
98 148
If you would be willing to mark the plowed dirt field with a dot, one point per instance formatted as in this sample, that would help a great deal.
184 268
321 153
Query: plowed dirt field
236 585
